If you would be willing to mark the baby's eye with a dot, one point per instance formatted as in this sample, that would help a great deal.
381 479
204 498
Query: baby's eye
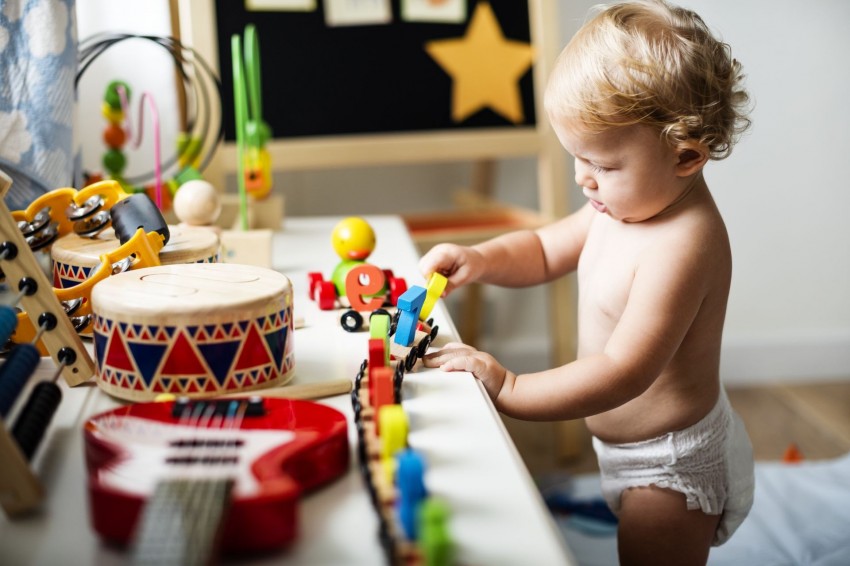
599 168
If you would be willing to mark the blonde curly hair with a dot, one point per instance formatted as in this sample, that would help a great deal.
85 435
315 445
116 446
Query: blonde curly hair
647 62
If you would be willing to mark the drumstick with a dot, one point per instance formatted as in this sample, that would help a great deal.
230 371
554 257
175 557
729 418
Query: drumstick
299 391
315 390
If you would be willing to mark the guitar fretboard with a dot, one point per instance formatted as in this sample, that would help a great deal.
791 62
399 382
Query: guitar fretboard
179 523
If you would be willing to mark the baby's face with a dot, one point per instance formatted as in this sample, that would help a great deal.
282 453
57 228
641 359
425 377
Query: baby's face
627 173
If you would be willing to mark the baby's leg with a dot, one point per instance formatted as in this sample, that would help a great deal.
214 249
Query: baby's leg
657 528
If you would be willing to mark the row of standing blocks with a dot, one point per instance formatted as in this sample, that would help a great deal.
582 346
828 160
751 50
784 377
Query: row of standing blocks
394 472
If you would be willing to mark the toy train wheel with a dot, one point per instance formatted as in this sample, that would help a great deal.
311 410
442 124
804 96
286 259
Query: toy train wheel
351 321
423 346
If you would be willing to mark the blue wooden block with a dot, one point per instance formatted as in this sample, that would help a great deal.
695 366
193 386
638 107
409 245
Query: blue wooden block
410 474
410 303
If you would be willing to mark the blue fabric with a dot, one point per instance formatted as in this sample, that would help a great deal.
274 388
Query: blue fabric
38 54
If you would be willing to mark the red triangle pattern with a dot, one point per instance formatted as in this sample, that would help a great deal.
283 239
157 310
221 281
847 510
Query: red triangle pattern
182 359
254 351
116 353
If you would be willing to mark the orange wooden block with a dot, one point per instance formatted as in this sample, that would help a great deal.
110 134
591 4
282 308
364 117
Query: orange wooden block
382 394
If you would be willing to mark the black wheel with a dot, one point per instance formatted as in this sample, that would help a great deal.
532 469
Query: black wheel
410 360
351 321
423 346
394 322
379 311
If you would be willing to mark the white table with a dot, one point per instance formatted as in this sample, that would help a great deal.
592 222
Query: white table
497 514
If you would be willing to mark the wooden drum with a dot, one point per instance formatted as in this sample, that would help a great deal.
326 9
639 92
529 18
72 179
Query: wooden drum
74 256
199 330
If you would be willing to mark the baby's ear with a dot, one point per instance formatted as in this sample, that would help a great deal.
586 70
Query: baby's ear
692 157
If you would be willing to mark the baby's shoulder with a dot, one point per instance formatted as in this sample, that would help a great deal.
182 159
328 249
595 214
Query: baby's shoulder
697 240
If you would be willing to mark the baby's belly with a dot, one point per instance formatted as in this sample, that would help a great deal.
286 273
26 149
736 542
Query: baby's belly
651 415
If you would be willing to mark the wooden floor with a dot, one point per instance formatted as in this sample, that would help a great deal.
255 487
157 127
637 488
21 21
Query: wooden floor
814 417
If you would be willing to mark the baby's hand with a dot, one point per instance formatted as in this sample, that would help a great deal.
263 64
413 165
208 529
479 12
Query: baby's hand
459 264
460 357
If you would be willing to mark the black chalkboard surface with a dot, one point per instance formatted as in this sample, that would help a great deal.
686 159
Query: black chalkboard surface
327 81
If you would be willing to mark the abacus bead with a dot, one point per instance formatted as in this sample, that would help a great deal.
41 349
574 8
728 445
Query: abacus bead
35 417
15 372
114 136
114 161
8 323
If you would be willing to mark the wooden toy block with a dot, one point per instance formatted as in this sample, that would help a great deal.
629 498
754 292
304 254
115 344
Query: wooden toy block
379 327
410 474
250 247
364 286
383 390
409 304
377 360
393 424
434 290
434 539
265 214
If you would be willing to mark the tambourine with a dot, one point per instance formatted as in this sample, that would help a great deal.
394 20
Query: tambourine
198 330
75 257
141 232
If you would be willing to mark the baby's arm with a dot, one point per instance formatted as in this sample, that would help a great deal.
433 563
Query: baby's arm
516 259
666 294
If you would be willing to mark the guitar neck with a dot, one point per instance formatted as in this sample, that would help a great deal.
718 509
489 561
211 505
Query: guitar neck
180 522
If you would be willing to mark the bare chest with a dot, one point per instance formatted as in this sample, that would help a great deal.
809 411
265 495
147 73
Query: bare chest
606 270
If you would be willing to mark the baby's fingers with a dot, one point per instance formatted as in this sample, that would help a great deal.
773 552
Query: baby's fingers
449 351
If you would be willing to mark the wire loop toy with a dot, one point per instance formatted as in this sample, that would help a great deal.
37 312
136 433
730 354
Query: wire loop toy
203 130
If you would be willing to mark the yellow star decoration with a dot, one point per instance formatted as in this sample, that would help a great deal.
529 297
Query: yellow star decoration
484 66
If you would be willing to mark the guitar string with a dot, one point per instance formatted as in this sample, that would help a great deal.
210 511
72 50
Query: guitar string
203 496
189 419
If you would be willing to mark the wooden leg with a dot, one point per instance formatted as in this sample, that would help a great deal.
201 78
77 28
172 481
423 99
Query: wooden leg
472 311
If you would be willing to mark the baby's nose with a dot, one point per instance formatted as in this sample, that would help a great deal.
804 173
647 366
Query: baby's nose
584 177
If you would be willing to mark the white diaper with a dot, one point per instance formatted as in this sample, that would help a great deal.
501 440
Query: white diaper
710 462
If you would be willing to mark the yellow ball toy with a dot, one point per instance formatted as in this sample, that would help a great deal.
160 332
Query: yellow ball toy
353 239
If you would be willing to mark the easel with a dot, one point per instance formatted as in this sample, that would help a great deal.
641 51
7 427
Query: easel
481 147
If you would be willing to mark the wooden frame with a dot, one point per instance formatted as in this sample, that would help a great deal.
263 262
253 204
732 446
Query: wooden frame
198 29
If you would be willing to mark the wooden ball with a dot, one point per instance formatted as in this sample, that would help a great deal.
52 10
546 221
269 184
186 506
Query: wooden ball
197 203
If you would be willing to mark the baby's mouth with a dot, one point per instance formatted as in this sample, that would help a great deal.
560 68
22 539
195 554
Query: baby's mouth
598 206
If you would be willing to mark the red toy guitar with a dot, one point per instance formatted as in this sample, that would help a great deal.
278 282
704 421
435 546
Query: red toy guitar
179 476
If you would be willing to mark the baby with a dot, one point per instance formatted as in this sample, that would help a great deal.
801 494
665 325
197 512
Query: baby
642 97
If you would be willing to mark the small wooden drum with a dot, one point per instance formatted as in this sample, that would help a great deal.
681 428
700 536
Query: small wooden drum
199 329
74 257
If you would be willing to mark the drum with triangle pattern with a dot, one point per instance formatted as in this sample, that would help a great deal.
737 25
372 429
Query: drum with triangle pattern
193 329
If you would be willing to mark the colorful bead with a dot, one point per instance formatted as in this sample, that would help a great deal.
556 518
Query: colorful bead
111 96
114 162
112 115
114 136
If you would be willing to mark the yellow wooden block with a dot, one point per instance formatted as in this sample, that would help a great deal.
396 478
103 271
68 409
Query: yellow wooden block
433 291
392 424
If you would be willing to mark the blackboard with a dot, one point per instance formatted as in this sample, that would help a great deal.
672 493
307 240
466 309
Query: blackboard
329 81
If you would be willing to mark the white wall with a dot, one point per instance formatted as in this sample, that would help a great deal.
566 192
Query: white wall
783 191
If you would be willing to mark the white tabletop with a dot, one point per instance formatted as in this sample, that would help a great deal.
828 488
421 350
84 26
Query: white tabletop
497 515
